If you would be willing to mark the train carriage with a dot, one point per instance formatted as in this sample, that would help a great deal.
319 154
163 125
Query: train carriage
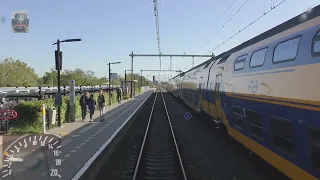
272 102
176 86
190 88
203 83
266 92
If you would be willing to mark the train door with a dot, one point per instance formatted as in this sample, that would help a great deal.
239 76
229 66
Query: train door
200 103
218 102
211 102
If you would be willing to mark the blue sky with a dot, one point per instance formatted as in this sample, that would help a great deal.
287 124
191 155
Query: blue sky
110 30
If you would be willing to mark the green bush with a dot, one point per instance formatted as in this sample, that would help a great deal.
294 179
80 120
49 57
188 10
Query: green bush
29 118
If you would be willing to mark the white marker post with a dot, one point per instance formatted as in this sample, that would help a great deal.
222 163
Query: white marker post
72 96
44 118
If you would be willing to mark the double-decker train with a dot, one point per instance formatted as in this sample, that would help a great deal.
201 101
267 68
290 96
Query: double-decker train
266 92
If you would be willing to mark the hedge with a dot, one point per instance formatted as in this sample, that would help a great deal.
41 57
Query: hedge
29 118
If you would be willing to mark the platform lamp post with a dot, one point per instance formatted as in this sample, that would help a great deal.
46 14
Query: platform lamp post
109 64
58 58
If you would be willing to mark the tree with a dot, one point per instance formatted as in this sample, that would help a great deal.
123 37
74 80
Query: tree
81 77
50 78
17 73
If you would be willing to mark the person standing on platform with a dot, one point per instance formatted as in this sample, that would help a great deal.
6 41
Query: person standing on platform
101 104
92 106
83 104
119 94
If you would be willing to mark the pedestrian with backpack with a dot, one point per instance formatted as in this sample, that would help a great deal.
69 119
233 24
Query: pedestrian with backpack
92 106
83 104
101 104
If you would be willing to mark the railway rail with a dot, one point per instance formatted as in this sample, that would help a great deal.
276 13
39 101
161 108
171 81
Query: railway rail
159 156
162 144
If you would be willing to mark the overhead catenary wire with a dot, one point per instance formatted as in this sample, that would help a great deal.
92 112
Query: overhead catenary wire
224 25
246 27
251 23
215 24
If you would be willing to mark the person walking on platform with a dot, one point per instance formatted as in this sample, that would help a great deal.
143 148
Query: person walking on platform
92 106
83 104
119 94
101 104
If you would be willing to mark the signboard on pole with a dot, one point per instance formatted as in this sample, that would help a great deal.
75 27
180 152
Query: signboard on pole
72 94
58 60
58 99
72 99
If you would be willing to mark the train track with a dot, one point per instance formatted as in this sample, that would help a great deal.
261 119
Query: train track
159 156
149 149
159 146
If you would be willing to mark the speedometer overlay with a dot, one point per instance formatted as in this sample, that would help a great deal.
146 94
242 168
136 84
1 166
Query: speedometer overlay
33 157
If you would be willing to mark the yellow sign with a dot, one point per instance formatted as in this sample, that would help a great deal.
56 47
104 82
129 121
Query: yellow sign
43 110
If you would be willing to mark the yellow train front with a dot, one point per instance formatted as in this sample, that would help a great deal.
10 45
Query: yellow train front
266 92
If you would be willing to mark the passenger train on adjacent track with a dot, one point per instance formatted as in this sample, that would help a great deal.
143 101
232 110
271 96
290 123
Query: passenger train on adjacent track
266 92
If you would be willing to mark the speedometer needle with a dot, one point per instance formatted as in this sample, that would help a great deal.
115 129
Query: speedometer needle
12 159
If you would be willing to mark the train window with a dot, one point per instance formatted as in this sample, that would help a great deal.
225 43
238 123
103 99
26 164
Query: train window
314 146
239 63
286 51
282 134
254 121
237 116
316 45
257 58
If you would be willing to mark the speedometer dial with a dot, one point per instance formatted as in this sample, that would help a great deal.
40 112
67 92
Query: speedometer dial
33 157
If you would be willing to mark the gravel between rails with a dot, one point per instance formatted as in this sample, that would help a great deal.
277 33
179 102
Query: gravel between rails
159 159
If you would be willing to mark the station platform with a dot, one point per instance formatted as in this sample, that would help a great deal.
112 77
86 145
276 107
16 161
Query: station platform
80 144
82 140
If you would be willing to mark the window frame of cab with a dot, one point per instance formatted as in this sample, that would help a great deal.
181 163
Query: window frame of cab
315 38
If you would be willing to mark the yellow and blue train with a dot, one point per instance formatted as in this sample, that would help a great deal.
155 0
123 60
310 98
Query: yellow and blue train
266 92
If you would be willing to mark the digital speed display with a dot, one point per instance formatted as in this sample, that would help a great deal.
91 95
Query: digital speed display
33 157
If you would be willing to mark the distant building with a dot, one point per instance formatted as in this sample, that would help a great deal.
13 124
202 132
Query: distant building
114 76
